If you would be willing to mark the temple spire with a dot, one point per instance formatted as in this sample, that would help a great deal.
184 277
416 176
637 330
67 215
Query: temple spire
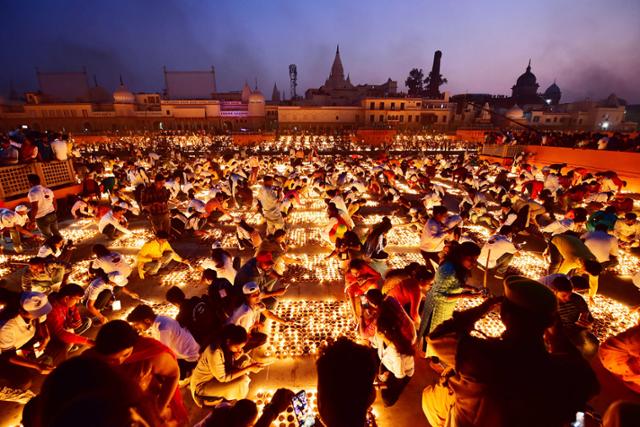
121 83
337 72
529 66
275 95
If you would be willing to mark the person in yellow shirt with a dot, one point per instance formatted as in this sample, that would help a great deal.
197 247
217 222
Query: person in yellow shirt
156 254
569 254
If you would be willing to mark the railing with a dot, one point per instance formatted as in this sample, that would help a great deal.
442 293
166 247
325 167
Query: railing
13 179
503 151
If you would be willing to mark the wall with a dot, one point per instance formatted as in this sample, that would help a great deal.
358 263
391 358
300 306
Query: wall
626 164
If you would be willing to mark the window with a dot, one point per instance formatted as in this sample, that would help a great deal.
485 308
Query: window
418 104
417 118
547 121
580 121
381 118
372 118
444 119
382 105
402 105
168 112
555 119
337 118
393 105
536 119
409 118
401 119
372 106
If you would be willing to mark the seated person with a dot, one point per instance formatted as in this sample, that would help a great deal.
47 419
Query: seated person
17 224
22 339
575 317
113 223
102 292
43 275
65 323
222 373
248 316
195 314
170 333
157 253
221 262
110 262
627 231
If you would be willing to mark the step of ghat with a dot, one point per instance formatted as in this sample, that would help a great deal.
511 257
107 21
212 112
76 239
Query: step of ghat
80 230
316 324
610 318
629 264
12 262
314 268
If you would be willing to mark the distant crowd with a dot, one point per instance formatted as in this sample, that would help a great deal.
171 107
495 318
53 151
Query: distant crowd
589 140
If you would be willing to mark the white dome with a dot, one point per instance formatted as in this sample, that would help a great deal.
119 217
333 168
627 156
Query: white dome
515 113
256 96
123 96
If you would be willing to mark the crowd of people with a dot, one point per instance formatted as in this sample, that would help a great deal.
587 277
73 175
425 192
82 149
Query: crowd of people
147 366
32 146
613 141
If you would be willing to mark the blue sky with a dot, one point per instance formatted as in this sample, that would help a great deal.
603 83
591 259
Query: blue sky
592 48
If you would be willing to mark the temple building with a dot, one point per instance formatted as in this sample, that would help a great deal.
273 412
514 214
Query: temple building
338 90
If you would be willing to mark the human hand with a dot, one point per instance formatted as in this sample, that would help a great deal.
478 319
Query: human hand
255 368
45 369
281 399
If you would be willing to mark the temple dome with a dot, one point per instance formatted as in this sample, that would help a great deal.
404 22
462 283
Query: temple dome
552 90
122 95
256 96
527 78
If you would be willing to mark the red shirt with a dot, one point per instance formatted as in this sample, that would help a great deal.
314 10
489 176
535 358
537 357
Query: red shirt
62 318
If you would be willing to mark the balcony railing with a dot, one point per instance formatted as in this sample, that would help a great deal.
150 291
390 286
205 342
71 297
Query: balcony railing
13 179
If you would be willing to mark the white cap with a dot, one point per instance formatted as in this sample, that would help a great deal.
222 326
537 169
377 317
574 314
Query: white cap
22 209
250 288
35 303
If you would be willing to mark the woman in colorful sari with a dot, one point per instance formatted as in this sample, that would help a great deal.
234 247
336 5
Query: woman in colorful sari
448 287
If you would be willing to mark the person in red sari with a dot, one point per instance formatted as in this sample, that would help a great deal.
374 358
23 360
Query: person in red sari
149 360
359 278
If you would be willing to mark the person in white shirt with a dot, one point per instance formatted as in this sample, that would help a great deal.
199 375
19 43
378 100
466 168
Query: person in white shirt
83 208
221 262
602 245
110 262
169 332
25 330
102 292
434 236
60 149
112 222
16 222
498 252
627 230
43 207
248 316
551 181
173 185
270 203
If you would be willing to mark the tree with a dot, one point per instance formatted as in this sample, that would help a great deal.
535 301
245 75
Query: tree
415 82
432 85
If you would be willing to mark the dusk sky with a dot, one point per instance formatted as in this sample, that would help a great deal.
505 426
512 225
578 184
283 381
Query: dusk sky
592 47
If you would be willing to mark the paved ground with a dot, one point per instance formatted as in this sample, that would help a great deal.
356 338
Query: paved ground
299 372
